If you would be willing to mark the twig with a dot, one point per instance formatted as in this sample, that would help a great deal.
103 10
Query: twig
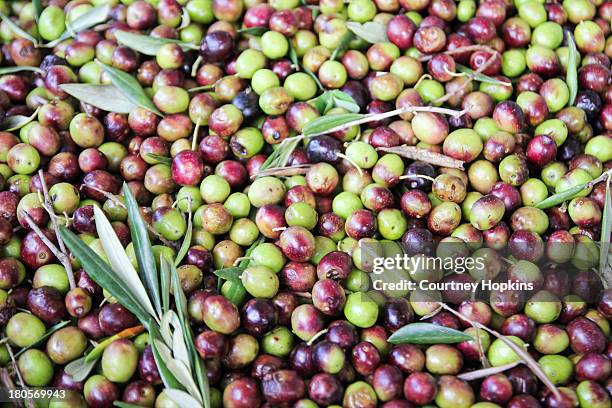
460 50
29 402
315 337
416 153
472 76
525 356
485 372
58 254
65 259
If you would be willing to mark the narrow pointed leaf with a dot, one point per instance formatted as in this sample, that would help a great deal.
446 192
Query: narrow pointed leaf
101 273
130 88
16 122
38 8
178 370
371 32
12 70
165 285
179 297
325 123
122 404
18 30
481 77
323 101
230 274
167 377
105 97
160 159
428 333
571 77
120 262
258 31
186 241
342 46
179 349
45 336
314 78
79 369
606 228
91 18
182 399
561 197
148 45
294 58
143 248
344 100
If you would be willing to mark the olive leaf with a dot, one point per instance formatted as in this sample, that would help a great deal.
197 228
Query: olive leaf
142 247
325 123
294 58
344 100
481 77
100 272
231 274
38 8
45 336
571 77
18 30
561 197
186 241
342 46
253 31
166 375
237 290
428 333
130 87
315 78
182 398
119 260
606 228
160 159
106 97
371 31
16 122
79 369
11 70
92 17
324 102
148 45
122 404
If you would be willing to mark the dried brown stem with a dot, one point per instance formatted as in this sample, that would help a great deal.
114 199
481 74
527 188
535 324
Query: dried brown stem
65 259
518 350
58 254
485 372
22 384
416 153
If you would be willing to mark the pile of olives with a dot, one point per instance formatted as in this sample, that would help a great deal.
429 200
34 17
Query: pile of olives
510 159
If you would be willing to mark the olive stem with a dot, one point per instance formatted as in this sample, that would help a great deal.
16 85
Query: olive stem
58 254
29 402
459 50
518 350
422 176
470 77
416 153
240 259
355 165
196 65
196 131
485 372
65 259
283 171
315 337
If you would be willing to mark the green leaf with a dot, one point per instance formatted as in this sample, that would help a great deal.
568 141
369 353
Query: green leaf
142 248
12 70
571 77
119 260
38 8
130 87
79 369
45 336
342 45
344 100
16 122
182 399
428 333
325 123
202 88
165 285
101 273
324 102
93 17
371 32
606 228
314 77
18 30
481 77
122 404
160 159
147 45
258 31
561 197
106 97
167 377
293 57
231 274
186 241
